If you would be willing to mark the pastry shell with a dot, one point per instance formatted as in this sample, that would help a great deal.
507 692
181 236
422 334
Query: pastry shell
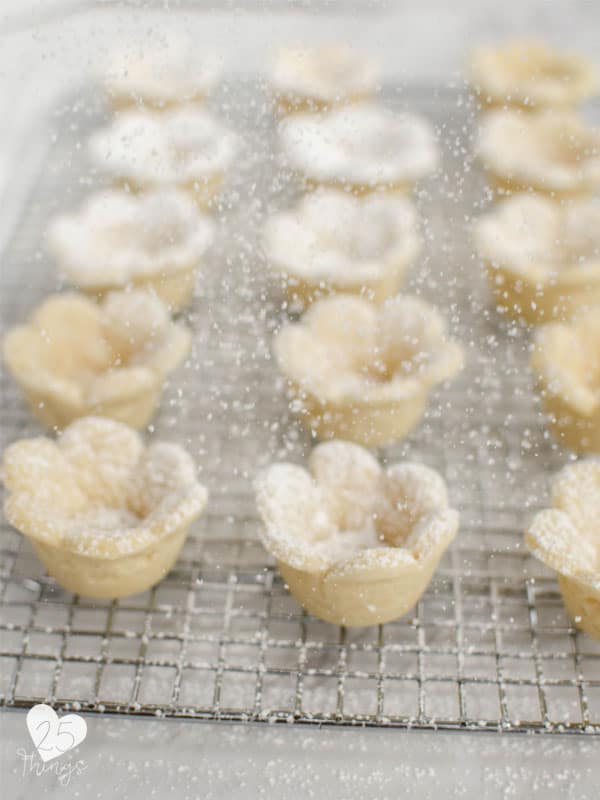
356 544
567 539
542 257
316 79
551 152
360 149
159 76
566 360
155 240
335 242
363 373
75 358
106 515
531 75
187 148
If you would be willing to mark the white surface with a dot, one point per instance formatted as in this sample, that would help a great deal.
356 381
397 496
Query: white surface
426 40
130 759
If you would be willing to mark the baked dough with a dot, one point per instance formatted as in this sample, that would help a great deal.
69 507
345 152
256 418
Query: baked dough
155 240
363 373
567 539
106 515
531 75
542 257
360 148
187 148
75 358
334 242
314 79
566 360
355 544
552 152
158 75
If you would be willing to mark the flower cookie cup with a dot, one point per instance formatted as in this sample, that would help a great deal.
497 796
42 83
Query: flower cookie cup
566 361
553 153
567 539
305 80
75 357
106 515
169 73
541 257
155 241
356 545
359 149
335 243
361 372
530 75
186 148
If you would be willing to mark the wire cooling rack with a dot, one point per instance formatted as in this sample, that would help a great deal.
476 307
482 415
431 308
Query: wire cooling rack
489 645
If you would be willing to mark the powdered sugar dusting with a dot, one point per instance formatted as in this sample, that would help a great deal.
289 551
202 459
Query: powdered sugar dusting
100 522
552 151
348 505
130 496
174 70
539 238
361 145
127 236
175 147
344 347
78 355
341 238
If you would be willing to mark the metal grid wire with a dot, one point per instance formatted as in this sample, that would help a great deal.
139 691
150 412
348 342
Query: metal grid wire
489 645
